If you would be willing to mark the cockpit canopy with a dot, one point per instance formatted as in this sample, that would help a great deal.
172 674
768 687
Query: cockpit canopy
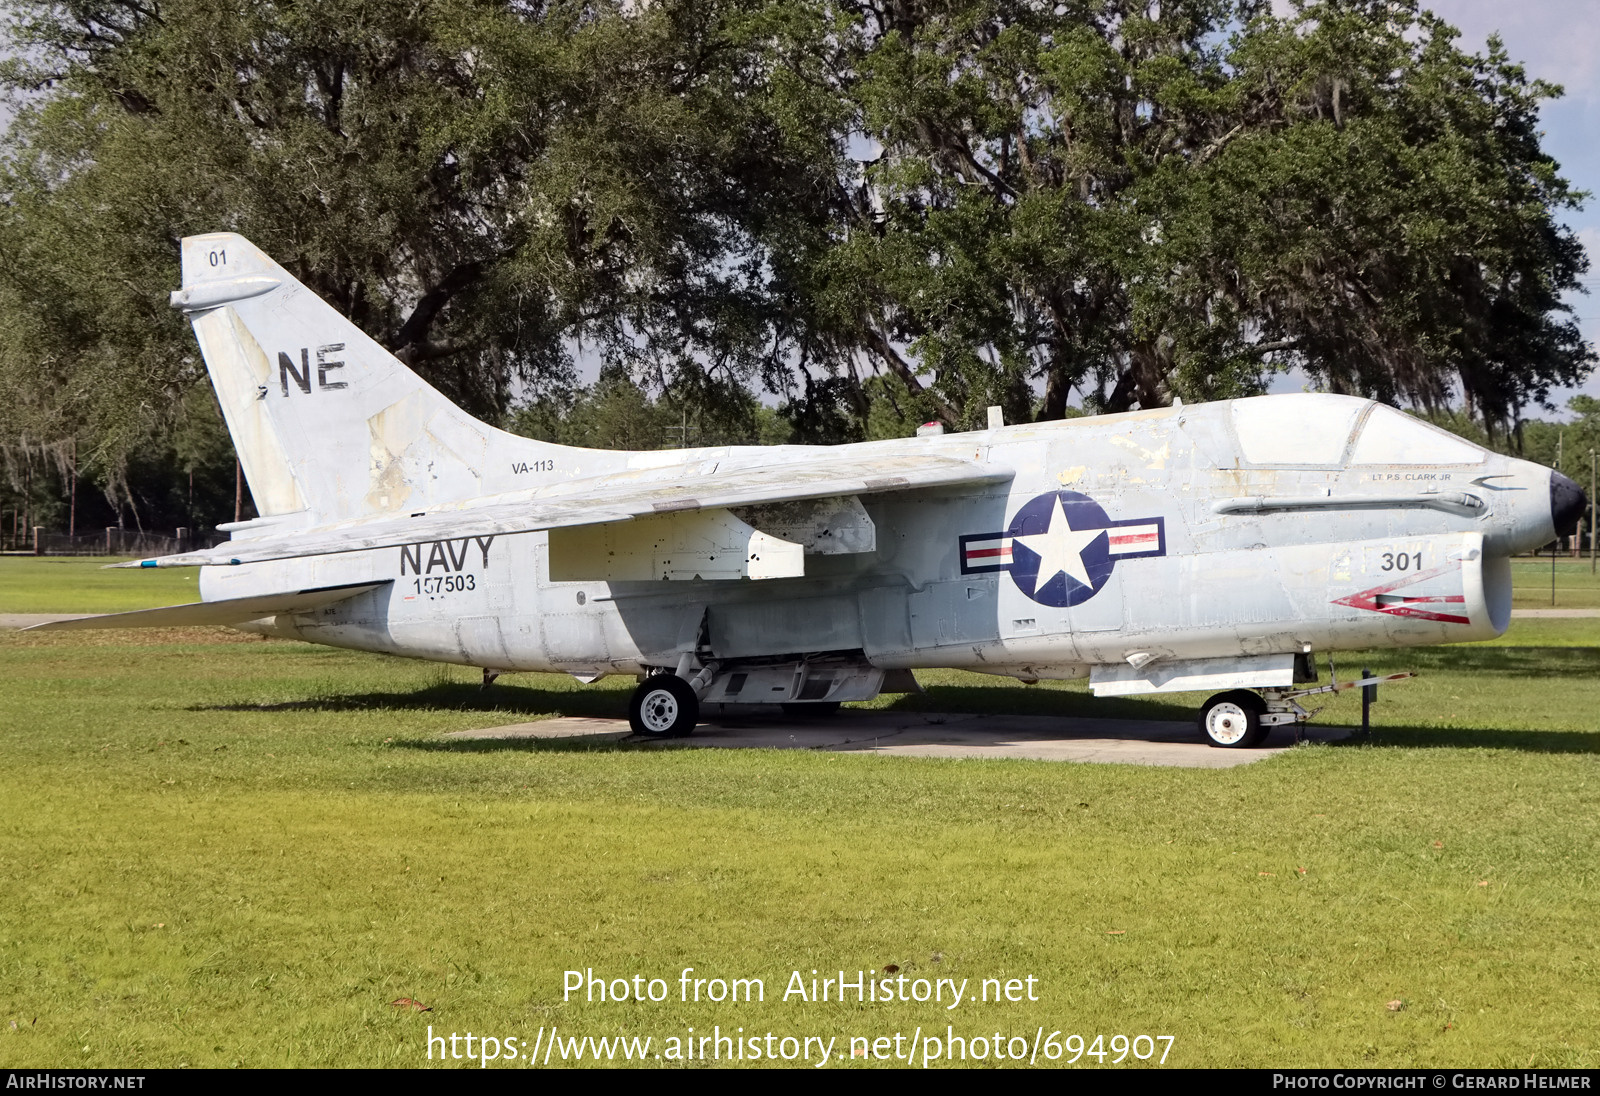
1313 429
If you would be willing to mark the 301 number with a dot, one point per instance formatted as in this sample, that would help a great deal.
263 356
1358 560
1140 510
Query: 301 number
1405 561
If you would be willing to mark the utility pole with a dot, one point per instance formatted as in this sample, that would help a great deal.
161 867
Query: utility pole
1591 512
72 504
1561 439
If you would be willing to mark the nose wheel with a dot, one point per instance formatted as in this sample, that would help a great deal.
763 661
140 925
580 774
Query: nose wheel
1232 720
663 707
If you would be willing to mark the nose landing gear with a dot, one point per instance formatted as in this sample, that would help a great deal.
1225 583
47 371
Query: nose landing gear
1241 719
1232 720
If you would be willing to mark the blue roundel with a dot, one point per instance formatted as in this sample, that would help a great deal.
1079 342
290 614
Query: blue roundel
1077 550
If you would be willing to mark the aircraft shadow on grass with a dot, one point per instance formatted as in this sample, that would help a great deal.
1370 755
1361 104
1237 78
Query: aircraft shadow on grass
1551 742
514 700
507 700
1507 671
511 703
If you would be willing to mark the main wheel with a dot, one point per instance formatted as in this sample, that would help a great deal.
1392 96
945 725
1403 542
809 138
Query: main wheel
663 707
1232 720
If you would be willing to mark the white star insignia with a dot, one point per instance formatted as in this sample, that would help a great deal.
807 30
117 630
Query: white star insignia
1060 549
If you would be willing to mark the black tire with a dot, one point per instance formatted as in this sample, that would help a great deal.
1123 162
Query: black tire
663 707
817 708
1232 720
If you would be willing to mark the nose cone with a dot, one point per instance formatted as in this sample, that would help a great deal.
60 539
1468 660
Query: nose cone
1567 503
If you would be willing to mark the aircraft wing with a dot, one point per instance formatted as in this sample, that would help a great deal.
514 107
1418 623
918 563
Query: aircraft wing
231 611
618 496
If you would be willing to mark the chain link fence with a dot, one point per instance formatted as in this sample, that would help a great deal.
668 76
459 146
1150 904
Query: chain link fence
107 542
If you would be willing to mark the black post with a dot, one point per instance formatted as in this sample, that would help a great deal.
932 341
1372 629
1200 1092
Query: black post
1369 693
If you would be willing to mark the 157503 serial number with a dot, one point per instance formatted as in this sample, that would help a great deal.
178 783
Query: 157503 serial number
444 584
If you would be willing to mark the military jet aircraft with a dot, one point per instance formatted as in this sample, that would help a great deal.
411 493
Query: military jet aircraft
1216 547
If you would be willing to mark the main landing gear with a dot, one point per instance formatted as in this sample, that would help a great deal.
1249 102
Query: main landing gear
664 706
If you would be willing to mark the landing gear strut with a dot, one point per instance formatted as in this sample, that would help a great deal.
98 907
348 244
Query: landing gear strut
664 706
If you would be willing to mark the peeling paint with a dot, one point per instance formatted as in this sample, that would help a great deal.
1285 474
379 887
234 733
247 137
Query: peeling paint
829 526
1155 459
240 375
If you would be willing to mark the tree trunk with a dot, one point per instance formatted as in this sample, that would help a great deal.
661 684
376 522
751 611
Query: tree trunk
1055 392
1139 382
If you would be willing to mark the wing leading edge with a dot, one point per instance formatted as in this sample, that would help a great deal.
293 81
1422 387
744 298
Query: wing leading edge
619 496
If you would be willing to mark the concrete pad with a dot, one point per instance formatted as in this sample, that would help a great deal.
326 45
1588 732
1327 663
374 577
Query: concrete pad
567 727
1519 614
28 620
927 734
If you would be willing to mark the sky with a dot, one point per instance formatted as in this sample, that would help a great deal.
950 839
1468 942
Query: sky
1558 41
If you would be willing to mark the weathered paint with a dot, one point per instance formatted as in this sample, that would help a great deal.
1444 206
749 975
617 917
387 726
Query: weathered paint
1172 547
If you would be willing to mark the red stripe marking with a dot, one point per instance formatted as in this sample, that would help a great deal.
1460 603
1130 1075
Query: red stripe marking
1368 599
1421 614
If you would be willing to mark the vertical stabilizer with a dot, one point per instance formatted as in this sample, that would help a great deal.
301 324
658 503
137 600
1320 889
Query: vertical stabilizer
325 420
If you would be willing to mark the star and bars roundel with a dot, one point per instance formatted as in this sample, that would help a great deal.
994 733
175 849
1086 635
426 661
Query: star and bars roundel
1061 547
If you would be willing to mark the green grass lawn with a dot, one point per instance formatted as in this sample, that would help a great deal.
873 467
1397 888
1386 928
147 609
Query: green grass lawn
68 584
1577 586
223 850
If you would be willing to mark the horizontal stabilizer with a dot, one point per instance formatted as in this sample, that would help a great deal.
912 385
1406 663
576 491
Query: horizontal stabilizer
619 496
232 611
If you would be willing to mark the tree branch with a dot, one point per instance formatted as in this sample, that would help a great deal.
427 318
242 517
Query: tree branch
433 350
1218 145
433 301
884 349
994 180
1270 347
